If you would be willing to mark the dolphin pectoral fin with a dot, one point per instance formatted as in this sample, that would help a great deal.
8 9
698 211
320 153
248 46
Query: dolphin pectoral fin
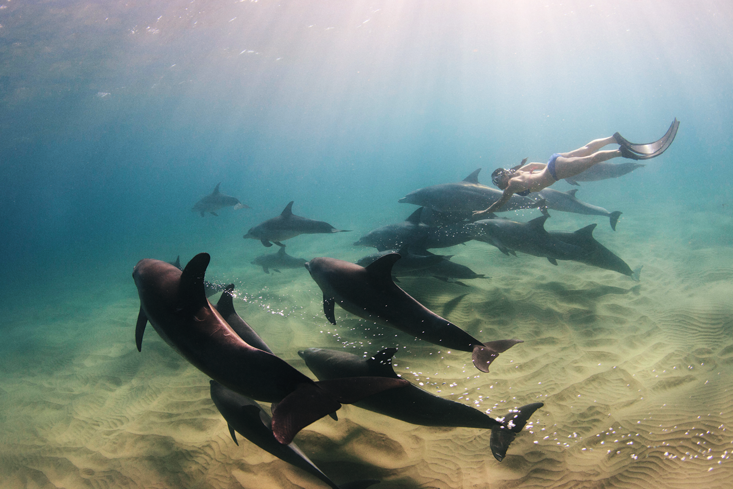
233 433
279 244
334 416
275 269
142 321
484 354
614 218
266 243
572 182
306 404
552 260
328 307
514 422
214 213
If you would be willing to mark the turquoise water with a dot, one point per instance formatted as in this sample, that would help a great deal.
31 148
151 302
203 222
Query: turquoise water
118 116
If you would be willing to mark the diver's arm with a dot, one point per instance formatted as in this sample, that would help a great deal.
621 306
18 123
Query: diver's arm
508 192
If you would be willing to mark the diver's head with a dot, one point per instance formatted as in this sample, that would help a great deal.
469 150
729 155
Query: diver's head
501 177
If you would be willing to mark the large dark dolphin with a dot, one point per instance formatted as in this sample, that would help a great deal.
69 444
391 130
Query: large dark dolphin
287 225
175 304
412 404
215 201
464 197
567 202
370 293
246 417
278 261
604 171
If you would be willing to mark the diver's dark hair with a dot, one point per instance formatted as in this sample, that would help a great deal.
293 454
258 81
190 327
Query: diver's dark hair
496 176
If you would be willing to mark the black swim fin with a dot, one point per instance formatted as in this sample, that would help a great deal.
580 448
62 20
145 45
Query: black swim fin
649 150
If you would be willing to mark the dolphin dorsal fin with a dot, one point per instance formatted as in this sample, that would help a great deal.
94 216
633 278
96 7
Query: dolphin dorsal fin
473 177
572 193
288 211
538 222
381 363
281 251
177 263
415 217
191 290
225 306
382 266
587 231
216 189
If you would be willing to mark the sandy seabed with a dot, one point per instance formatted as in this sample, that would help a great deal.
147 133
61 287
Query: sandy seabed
635 377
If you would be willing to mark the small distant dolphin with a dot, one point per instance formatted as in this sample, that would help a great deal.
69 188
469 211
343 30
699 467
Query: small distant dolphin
567 202
287 225
175 304
215 201
412 404
278 261
464 197
370 293
604 171
246 417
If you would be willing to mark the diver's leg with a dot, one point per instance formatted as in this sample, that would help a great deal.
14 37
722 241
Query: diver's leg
590 148
569 167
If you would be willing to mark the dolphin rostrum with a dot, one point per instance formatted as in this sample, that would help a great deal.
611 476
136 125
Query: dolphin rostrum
215 201
412 404
370 293
287 225
175 304
246 417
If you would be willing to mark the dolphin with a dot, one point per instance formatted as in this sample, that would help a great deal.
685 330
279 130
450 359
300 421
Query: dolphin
278 261
287 225
394 236
215 201
527 237
246 417
225 307
464 197
370 293
412 404
594 253
422 263
175 303
567 202
604 171
532 238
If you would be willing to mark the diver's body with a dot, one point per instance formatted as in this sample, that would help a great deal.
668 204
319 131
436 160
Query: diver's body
533 177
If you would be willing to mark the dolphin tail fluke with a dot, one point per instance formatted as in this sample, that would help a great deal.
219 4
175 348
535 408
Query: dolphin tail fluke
503 434
310 402
484 354
636 274
614 218
142 321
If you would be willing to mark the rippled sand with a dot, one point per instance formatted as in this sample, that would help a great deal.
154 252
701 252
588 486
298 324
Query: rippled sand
635 377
